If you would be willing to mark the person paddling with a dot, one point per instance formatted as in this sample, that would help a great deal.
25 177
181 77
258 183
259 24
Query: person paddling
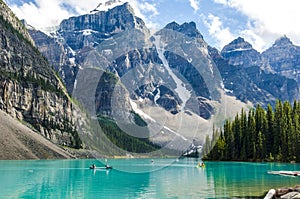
106 165
93 166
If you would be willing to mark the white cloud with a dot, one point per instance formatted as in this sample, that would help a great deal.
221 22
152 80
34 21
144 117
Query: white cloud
221 1
147 7
46 13
42 14
217 31
145 11
194 4
257 42
270 19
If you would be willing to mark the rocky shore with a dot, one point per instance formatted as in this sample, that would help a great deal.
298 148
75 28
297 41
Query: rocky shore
284 193
19 142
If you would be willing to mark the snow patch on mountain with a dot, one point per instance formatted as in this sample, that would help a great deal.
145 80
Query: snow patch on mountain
225 89
87 32
72 61
72 51
183 93
238 50
177 134
140 112
157 96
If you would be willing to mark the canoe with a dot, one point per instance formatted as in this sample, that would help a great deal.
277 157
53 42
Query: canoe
285 173
107 167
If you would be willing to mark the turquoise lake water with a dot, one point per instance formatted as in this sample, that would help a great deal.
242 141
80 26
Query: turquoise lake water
166 178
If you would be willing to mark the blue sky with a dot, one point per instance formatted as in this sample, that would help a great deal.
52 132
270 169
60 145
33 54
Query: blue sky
260 22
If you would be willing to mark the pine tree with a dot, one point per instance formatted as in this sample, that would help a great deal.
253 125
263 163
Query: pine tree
259 146
228 136
286 132
278 128
244 135
260 135
236 127
251 131
296 129
221 147
270 132
207 147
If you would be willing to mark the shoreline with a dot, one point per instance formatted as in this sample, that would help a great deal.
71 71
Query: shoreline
258 192
284 192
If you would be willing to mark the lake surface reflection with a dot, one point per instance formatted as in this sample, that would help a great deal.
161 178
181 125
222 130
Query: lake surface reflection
166 178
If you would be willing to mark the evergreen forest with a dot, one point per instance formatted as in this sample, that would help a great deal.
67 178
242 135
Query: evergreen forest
271 134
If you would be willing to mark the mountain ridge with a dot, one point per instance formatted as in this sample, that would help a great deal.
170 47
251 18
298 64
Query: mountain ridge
278 64
31 91
173 61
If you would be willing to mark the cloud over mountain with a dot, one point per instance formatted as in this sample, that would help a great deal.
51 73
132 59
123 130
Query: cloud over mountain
258 21
267 19
44 13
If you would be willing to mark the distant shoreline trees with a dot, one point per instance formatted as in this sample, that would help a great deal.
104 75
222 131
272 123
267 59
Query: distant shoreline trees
259 135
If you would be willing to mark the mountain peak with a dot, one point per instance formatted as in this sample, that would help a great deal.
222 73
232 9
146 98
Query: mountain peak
123 6
238 40
116 19
113 6
189 29
238 44
109 5
173 25
283 41
240 53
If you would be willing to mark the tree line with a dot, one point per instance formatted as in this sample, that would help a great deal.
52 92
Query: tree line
123 140
259 135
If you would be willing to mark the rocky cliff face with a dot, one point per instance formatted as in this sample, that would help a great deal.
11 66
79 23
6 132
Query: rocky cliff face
59 54
188 29
283 58
240 53
120 71
237 82
261 80
91 29
83 41
68 48
109 62
30 90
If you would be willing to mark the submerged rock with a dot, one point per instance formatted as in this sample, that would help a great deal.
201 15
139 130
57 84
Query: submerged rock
285 192
291 195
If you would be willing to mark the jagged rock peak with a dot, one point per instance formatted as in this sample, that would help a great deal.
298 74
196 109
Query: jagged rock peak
125 6
240 53
173 25
118 18
189 29
283 41
238 44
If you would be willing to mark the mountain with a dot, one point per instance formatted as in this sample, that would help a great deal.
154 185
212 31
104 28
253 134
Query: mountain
59 55
249 66
238 83
111 63
188 29
31 91
171 86
143 93
241 53
67 48
283 58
